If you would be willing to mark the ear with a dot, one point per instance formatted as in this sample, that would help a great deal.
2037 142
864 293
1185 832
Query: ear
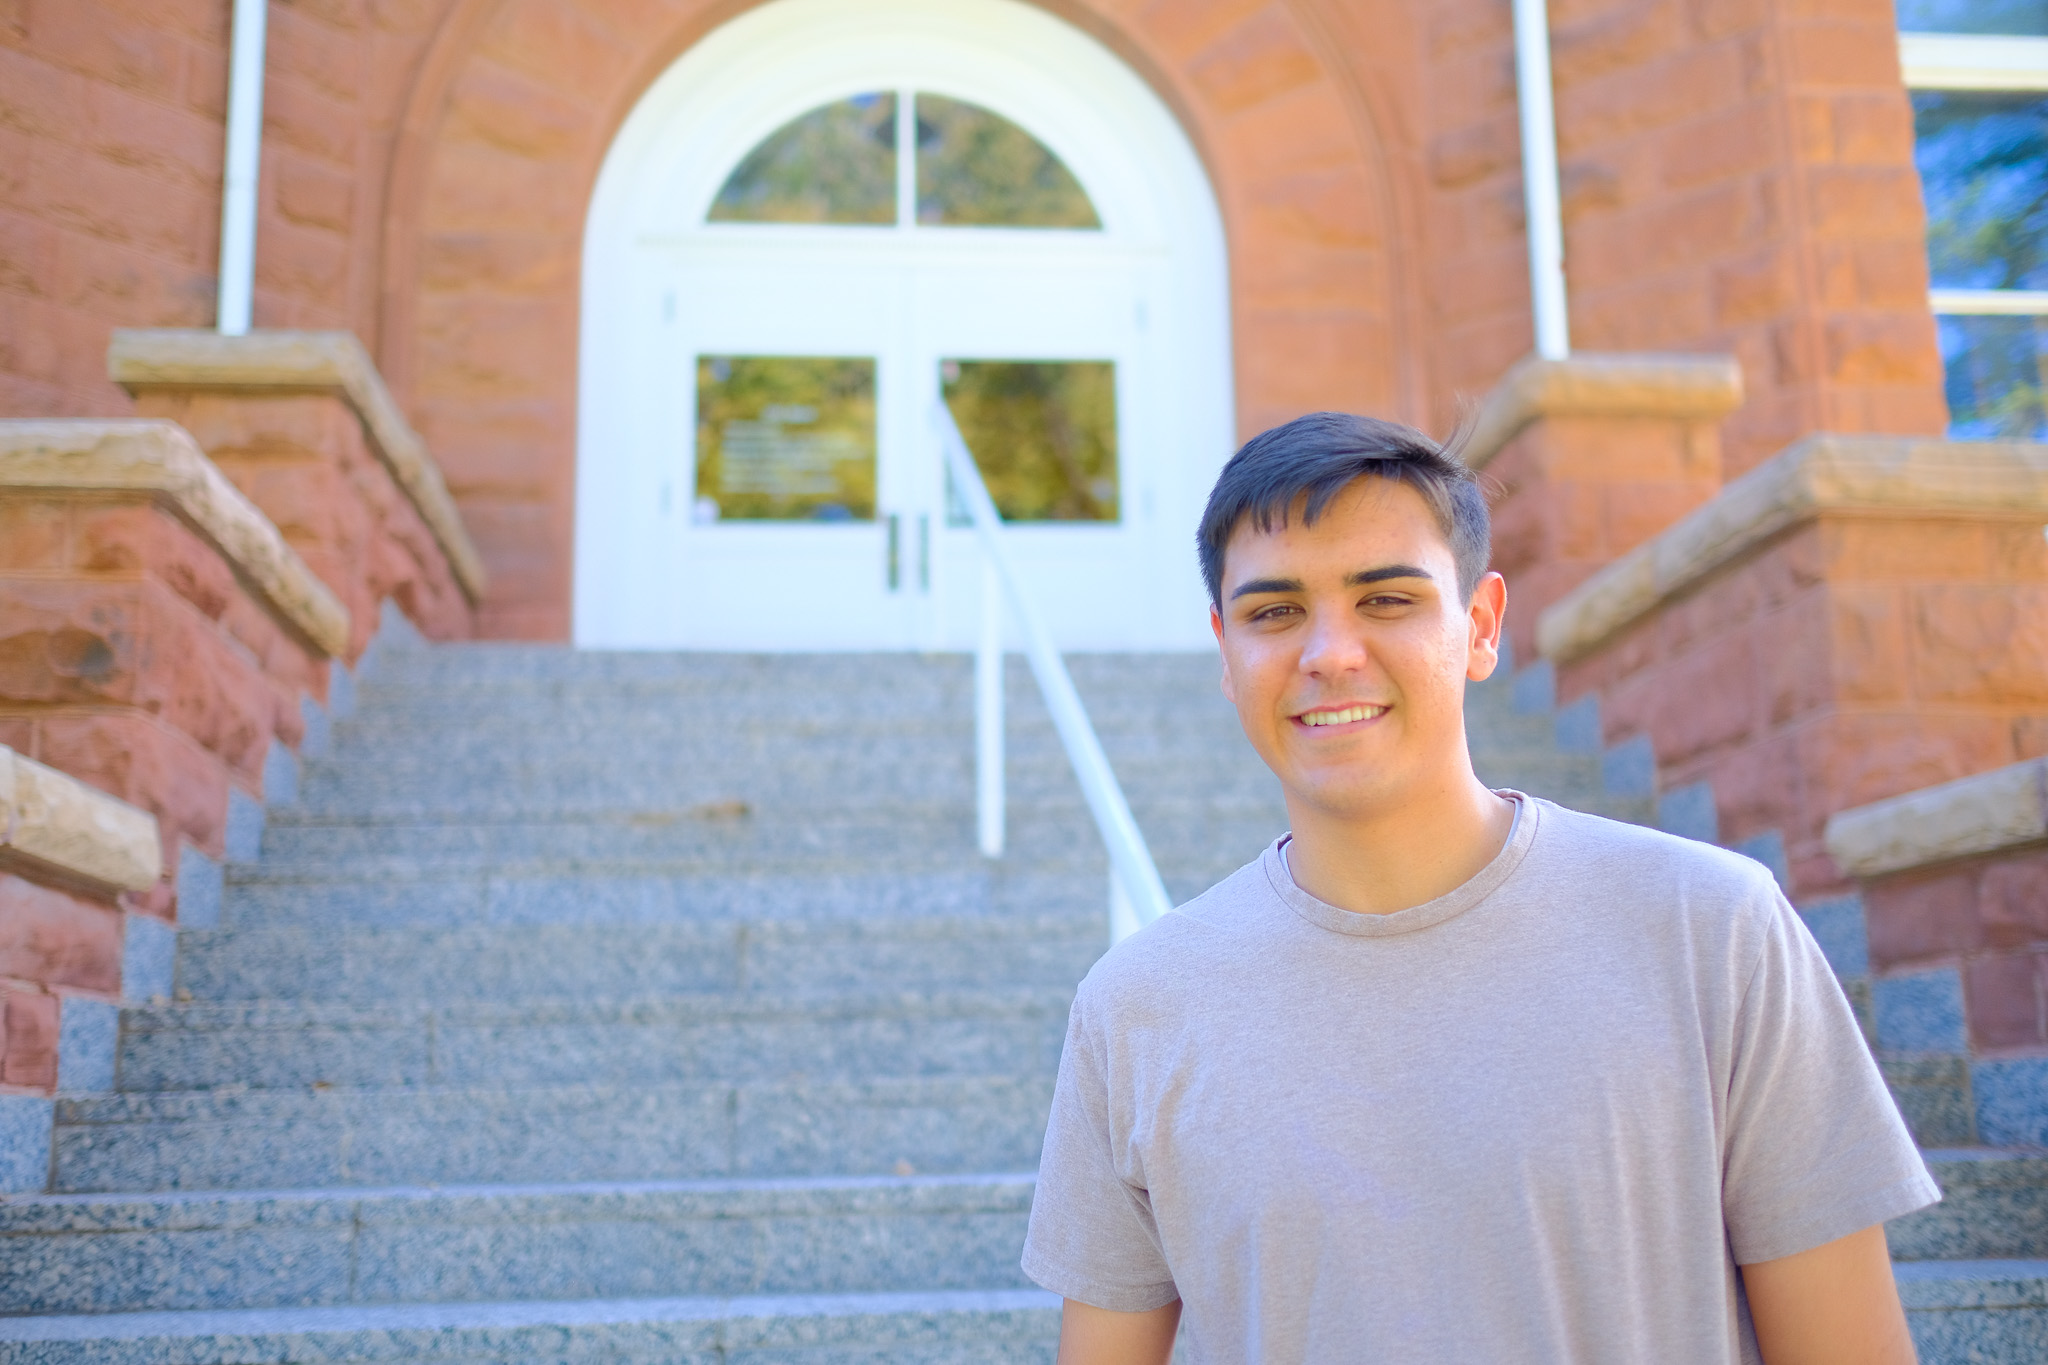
1485 618
1216 626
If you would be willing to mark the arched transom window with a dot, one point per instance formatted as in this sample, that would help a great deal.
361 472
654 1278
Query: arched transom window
830 221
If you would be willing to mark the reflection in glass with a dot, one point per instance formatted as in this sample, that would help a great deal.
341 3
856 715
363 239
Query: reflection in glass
1974 16
1997 371
785 438
1043 434
836 164
1983 160
975 168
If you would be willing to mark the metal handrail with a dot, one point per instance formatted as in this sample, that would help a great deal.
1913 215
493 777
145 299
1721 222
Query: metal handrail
1131 868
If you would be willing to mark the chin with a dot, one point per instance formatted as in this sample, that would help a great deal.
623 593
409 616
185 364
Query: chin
1351 796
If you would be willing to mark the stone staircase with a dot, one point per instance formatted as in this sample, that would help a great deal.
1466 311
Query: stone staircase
642 1007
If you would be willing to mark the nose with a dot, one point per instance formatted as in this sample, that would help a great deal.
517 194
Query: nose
1334 645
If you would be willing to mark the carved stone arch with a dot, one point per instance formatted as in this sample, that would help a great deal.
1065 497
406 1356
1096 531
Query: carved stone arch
517 102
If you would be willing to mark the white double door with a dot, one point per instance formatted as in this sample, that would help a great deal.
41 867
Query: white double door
908 577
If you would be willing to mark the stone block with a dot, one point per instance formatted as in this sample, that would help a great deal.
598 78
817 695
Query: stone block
28 1037
2008 1004
156 460
60 823
146 763
1837 925
1922 916
87 1032
1921 1012
1689 813
2012 900
201 887
148 957
58 937
25 1124
170 367
2012 1101
243 840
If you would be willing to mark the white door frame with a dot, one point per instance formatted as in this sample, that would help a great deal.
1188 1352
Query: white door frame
750 77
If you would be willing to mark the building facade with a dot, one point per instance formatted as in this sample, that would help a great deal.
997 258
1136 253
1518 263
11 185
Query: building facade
1737 179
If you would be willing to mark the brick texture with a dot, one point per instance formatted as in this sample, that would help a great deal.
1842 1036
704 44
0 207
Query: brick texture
1858 657
1987 916
133 658
305 460
1571 494
1737 173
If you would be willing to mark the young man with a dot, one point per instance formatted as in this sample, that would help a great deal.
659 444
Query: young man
1451 1076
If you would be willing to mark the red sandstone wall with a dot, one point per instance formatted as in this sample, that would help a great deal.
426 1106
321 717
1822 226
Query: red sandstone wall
1738 178
1990 917
1857 658
111 126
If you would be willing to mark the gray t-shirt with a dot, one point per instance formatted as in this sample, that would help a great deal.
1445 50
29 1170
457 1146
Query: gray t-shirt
1541 1118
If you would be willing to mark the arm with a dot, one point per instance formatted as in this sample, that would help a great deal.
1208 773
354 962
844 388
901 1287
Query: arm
1097 1336
1834 1305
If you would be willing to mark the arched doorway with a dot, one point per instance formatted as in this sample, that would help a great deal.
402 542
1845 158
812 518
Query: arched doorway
823 220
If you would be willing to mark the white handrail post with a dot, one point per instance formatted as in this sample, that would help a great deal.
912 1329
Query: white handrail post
235 299
1540 195
988 713
1123 916
1130 861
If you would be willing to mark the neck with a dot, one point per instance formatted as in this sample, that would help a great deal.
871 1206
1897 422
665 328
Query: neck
1402 851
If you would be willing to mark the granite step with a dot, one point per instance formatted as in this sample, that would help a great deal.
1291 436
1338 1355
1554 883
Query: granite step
1994 1206
416 787
932 1327
574 893
315 962
1988 1312
880 1032
327 1248
247 1139
628 831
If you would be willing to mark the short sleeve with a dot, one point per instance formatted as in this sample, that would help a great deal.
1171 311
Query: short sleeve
1092 1235
1814 1145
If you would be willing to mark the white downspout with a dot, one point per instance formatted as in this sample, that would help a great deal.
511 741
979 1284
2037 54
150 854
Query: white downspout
244 160
1539 180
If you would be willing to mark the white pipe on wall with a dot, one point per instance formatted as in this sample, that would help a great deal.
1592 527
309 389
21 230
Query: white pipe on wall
244 159
1539 180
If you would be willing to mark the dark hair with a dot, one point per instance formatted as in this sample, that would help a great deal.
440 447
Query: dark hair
1313 458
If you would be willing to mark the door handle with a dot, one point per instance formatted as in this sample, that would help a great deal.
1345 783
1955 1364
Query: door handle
894 554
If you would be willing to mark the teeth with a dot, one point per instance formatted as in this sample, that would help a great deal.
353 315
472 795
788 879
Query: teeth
1344 717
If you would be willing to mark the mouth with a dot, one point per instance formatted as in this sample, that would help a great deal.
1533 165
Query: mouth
1324 716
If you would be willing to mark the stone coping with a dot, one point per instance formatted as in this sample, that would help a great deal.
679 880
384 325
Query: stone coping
1818 474
160 459
57 821
316 362
1983 813
1634 384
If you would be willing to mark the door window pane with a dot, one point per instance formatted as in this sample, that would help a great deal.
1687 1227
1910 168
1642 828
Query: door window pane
785 438
836 164
1997 371
1983 158
975 168
1974 16
1043 434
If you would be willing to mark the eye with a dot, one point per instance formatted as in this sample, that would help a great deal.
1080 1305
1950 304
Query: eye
1274 612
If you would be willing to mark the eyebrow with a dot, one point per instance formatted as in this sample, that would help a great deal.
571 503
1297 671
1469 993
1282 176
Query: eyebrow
1354 580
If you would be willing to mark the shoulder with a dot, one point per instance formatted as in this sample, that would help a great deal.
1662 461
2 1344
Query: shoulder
1179 955
1594 860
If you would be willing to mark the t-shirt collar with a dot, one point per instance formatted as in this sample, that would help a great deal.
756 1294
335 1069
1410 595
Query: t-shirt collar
1528 815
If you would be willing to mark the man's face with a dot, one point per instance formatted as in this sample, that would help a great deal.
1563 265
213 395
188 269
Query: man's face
1346 649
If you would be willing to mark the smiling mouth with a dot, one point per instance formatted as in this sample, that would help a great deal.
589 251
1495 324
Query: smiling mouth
1342 716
